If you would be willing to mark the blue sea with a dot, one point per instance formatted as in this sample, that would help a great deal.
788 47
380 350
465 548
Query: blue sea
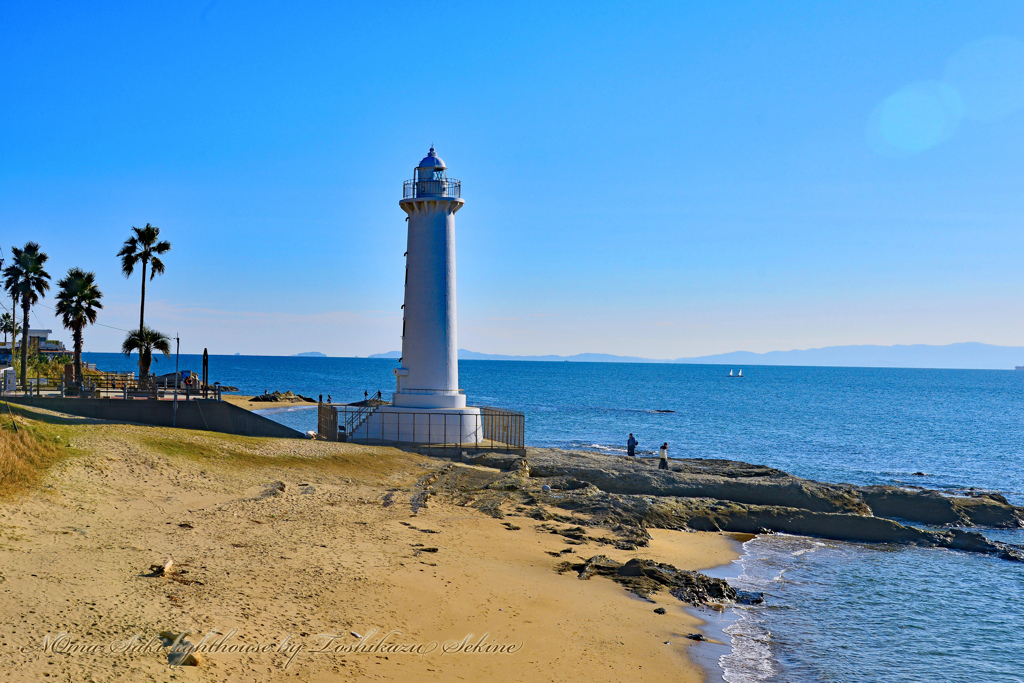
834 611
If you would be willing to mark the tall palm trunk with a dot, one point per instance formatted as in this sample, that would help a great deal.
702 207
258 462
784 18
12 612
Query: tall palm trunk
142 306
77 335
24 344
145 360
142 318
14 323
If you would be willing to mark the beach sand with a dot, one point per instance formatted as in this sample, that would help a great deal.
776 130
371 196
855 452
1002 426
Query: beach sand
245 402
277 537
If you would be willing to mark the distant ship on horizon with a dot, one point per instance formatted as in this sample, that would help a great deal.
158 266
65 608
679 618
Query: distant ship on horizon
1019 367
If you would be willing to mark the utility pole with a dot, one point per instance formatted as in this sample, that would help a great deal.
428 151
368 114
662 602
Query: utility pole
3 386
14 325
177 376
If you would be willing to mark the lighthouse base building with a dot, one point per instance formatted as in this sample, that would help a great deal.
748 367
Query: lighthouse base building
432 426
428 407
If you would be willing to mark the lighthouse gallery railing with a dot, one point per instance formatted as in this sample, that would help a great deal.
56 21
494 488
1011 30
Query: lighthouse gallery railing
449 187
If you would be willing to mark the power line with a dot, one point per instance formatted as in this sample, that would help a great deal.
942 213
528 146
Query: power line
4 306
100 324
55 310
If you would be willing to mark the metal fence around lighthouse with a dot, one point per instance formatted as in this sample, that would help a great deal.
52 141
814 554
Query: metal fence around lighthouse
504 426
490 429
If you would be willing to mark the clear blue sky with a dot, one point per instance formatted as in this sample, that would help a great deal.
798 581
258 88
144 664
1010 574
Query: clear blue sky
654 179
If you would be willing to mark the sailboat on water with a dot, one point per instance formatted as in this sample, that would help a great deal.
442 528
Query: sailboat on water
737 375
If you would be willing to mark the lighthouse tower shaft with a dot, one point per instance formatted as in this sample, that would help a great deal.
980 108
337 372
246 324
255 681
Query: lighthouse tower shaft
429 373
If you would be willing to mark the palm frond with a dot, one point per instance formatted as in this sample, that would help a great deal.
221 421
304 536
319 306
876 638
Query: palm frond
25 278
146 340
78 299
143 247
129 256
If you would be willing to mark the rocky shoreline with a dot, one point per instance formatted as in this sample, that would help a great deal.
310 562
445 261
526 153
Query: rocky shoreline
626 496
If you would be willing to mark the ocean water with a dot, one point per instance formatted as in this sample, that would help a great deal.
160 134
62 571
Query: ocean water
850 612
834 611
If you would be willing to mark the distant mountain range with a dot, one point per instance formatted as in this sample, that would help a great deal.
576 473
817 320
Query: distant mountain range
465 354
310 354
966 355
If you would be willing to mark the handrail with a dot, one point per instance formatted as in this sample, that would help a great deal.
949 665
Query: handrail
355 419
432 392
449 187
353 426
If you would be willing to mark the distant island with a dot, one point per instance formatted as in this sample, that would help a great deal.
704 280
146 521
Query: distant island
965 356
310 354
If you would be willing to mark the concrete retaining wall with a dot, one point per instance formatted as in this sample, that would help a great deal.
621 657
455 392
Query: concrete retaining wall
213 416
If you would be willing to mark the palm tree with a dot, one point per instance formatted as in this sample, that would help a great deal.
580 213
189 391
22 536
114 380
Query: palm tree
142 247
77 303
26 281
146 340
9 324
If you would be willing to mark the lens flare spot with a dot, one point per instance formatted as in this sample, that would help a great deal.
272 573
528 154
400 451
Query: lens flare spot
989 75
915 118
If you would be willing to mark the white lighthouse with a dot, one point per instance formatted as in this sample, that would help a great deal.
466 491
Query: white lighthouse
428 406
429 373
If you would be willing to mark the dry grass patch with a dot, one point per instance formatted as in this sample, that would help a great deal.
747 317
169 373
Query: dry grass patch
232 452
25 456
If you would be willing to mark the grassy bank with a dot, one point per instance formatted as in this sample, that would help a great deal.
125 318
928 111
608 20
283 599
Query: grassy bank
26 453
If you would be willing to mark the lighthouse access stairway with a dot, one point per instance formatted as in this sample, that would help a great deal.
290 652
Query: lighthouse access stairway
340 422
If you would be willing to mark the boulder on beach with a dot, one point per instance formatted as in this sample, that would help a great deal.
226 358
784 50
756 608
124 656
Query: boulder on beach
286 397
646 577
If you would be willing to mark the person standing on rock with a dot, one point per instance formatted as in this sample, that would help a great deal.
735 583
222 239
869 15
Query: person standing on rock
663 464
631 446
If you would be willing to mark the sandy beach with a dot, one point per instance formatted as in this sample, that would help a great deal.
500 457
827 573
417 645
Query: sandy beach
319 546
247 403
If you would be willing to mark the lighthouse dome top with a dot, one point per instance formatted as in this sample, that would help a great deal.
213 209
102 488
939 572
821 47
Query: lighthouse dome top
432 161
431 181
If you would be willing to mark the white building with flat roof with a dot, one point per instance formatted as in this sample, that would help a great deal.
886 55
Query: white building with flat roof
37 338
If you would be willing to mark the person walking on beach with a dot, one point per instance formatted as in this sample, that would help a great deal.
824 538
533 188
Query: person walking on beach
663 464
631 446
